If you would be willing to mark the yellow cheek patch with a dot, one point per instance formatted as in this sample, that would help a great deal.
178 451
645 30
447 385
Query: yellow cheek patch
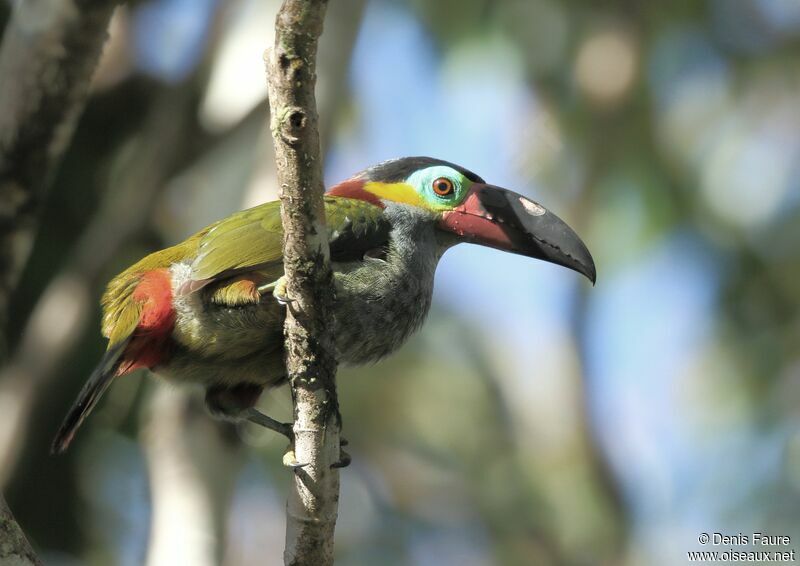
397 192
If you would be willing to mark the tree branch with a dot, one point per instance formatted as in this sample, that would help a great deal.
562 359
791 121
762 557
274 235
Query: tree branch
123 212
310 361
14 547
49 51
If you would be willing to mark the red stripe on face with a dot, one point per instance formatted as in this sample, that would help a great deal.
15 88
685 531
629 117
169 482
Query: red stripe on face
354 188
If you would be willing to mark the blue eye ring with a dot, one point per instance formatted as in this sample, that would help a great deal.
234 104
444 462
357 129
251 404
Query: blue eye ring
443 187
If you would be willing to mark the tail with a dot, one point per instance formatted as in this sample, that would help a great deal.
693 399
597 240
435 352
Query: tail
94 388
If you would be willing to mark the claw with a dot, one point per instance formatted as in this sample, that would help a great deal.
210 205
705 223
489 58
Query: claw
290 460
279 292
344 460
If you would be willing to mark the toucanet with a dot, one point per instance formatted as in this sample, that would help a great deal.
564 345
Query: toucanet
210 309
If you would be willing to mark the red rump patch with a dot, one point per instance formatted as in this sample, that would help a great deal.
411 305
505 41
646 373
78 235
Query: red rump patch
149 345
354 188
154 291
143 353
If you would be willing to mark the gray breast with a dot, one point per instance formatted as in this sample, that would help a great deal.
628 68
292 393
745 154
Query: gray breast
380 302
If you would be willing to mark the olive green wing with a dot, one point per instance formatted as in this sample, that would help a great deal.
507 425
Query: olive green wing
245 240
252 239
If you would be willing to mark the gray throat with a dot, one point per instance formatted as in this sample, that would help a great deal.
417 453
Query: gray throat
382 300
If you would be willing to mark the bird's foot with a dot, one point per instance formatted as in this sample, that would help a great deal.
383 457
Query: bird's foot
278 290
344 458
290 460
255 416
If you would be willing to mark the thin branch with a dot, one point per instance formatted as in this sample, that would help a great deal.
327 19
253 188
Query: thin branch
49 52
310 361
14 547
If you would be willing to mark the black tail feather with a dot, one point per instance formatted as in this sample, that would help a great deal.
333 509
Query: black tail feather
94 388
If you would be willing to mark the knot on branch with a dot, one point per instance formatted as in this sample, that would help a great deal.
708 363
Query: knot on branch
284 61
291 124
291 65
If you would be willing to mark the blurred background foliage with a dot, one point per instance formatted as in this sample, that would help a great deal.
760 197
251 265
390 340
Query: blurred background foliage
534 420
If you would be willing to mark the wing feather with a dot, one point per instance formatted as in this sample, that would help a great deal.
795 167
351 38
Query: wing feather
252 239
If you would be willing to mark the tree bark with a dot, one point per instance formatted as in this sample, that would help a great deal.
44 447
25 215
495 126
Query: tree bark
122 213
14 547
49 51
310 359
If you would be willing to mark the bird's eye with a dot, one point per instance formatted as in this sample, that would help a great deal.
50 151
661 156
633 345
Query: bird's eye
443 186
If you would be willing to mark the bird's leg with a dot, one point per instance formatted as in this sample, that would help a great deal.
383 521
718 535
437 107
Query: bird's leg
267 287
278 290
257 417
237 403
231 402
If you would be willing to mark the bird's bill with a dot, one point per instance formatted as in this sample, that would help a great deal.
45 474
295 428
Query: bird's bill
499 218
